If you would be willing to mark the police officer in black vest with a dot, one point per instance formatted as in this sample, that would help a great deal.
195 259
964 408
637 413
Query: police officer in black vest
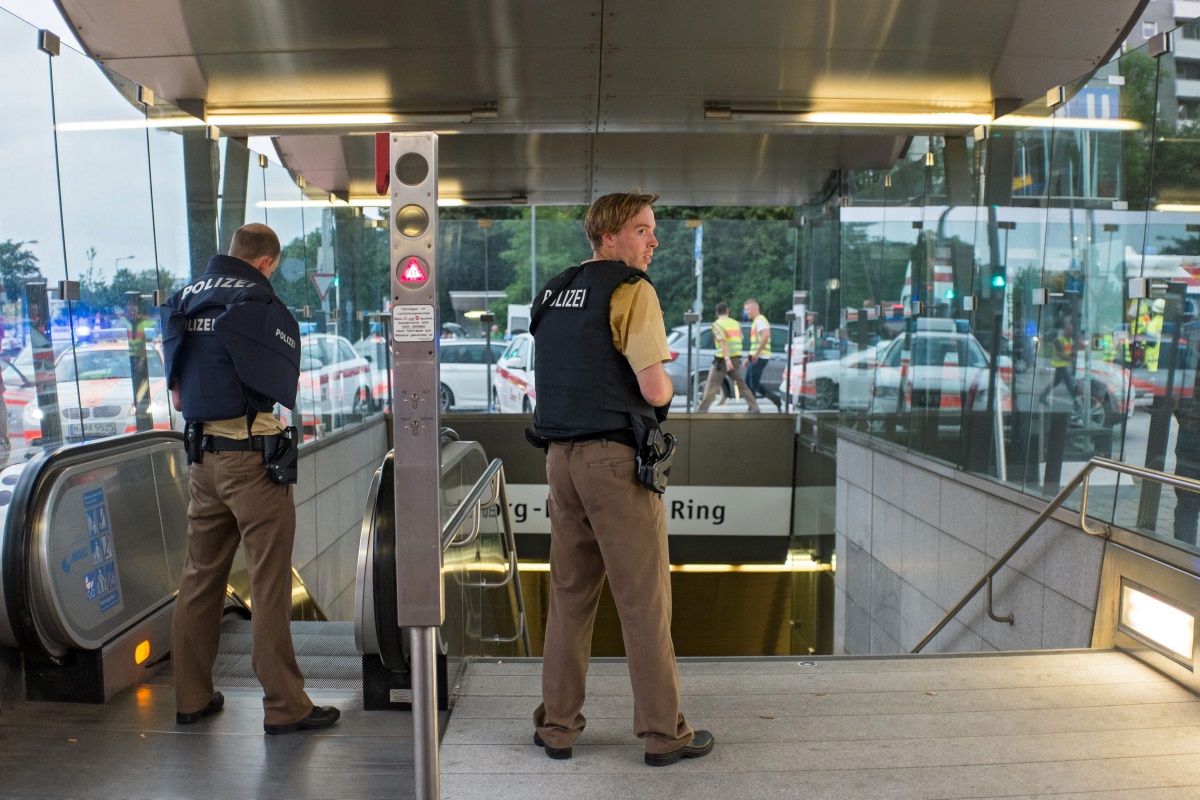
233 351
601 390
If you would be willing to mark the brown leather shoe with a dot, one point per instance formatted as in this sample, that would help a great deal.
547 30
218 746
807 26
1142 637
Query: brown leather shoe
191 717
557 753
320 717
700 745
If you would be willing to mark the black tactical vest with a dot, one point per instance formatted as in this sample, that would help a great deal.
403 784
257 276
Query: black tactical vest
584 385
231 344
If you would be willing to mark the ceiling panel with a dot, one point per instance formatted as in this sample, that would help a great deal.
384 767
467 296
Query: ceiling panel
595 94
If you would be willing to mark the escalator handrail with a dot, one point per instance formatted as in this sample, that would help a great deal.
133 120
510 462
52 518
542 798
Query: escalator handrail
474 503
17 549
1081 479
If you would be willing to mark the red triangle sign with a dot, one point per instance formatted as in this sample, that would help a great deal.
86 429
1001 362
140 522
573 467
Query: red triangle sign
413 271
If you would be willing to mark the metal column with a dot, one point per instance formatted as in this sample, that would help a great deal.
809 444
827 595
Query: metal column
420 604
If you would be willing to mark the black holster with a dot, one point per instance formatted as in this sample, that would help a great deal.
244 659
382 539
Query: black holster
655 453
280 455
540 442
193 442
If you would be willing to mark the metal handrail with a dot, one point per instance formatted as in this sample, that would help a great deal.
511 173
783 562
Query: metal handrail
473 504
1080 479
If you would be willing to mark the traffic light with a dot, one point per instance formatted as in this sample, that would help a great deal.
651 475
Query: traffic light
998 280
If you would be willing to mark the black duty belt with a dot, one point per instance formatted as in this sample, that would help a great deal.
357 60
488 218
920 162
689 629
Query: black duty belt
220 444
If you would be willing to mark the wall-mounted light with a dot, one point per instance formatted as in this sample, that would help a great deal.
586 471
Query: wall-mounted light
1156 622
485 113
942 120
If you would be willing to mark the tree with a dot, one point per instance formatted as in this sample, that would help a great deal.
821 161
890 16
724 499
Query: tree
17 266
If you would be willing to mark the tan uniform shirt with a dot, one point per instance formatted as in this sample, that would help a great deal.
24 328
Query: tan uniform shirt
636 320
264 425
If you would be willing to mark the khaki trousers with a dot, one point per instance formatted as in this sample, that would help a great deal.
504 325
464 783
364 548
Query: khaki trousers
603 520
716 374
231 500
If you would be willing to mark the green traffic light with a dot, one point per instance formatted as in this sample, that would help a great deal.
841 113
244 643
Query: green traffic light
998 281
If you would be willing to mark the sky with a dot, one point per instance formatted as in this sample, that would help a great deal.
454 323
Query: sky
42 14
104 181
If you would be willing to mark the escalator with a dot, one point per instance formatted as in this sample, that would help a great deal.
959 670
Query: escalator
88 571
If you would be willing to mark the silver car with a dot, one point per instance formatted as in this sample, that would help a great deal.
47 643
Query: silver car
704 353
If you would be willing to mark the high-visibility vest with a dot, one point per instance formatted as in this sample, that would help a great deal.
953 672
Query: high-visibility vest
766 351
1153 341
1063 348
731 331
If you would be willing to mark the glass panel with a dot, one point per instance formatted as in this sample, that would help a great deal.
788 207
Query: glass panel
110 250
31 233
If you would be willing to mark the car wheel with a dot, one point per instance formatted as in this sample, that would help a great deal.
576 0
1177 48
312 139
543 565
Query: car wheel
362 403
825 397
526 406
1098 413
446 396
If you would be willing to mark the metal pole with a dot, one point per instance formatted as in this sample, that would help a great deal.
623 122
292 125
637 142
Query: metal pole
691 318
791 381
420 590
698 255
423 662
486 319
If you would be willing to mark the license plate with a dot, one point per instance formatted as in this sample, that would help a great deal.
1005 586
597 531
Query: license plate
93 430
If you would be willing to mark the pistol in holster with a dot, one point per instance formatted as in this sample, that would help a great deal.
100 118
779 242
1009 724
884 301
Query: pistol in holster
193 442
280 455
654 459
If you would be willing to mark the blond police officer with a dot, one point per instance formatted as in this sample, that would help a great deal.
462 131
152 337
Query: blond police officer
599 372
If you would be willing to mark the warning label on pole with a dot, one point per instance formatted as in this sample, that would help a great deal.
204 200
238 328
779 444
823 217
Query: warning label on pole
413 324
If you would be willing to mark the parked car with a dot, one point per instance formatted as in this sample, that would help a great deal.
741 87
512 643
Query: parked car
818 385
374 348
705 352
96 394
935 370
939 364
464 365
18 393
334 379
512 385
1114 394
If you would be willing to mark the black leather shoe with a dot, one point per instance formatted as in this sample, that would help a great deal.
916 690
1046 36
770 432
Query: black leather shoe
558 753
191 717
320 717
700 745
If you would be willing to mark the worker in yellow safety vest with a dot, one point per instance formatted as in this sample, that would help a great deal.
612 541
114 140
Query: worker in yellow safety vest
1146 335
1154 334
1063 361
727 338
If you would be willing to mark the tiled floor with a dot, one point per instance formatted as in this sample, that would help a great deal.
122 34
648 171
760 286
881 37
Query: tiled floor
1073 725
1085 724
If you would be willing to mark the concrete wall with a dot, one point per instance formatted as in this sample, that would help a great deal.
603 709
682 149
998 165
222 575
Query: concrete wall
913 536
331 497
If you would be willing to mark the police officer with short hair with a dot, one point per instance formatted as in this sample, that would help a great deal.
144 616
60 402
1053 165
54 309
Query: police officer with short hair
601 389
232 352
